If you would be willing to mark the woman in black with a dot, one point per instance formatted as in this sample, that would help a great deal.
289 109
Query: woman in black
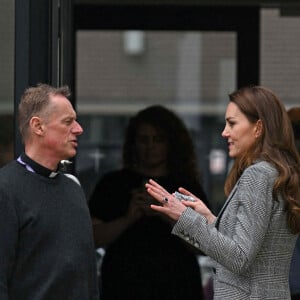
140 263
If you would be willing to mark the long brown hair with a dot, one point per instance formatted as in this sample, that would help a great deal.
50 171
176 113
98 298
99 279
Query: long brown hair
276 145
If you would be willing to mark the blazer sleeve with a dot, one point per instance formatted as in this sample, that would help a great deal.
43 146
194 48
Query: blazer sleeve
8 242
242 225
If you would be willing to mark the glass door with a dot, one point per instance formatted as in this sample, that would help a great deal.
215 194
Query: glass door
172 56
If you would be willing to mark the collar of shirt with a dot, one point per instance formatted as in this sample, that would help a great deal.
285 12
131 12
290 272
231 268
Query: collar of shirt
34 167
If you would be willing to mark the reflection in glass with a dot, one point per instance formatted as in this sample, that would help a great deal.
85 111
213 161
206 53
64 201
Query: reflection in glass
120 72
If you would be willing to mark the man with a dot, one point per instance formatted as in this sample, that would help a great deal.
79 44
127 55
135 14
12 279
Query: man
46 243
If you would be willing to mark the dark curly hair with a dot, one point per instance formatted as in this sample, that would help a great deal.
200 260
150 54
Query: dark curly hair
182 162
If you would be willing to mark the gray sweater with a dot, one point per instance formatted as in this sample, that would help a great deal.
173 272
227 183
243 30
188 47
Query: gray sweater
46 243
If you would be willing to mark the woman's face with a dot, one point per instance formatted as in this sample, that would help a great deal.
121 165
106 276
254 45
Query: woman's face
152 146
238 131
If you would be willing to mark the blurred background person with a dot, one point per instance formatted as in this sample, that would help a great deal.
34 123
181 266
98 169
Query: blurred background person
142 260
294 114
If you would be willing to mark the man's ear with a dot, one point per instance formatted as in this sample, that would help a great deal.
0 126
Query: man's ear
258 128
36 125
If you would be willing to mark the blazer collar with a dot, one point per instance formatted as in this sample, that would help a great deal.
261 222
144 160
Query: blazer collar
226 203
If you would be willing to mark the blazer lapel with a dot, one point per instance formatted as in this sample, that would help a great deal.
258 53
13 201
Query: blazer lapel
226 204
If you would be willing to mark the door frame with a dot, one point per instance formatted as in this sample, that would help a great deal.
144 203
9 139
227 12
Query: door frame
245 21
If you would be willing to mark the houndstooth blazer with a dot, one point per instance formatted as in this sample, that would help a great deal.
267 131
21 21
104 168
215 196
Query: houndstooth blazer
250 241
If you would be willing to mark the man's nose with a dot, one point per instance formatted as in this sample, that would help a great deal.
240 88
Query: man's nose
77 129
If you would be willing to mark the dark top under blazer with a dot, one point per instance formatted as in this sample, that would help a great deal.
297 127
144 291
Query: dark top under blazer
250 240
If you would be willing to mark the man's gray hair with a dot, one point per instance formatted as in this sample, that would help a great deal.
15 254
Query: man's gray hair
34 102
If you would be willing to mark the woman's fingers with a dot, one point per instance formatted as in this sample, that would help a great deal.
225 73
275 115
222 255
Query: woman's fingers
157 191
186 192
170 206
158 195
153 184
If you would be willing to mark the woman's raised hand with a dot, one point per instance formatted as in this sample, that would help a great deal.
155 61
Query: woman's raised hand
169 205
197 205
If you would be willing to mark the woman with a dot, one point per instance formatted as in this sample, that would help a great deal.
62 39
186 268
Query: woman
143 261
253 237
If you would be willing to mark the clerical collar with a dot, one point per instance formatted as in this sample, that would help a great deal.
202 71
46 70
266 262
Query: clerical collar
34 167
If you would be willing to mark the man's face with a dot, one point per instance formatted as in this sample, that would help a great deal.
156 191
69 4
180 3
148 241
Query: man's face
61 129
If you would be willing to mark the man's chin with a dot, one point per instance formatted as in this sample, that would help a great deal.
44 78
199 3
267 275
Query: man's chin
71 154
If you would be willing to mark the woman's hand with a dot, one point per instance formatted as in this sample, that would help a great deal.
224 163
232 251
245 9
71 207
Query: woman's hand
170 206
142 200
198 206
173 207
134 211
